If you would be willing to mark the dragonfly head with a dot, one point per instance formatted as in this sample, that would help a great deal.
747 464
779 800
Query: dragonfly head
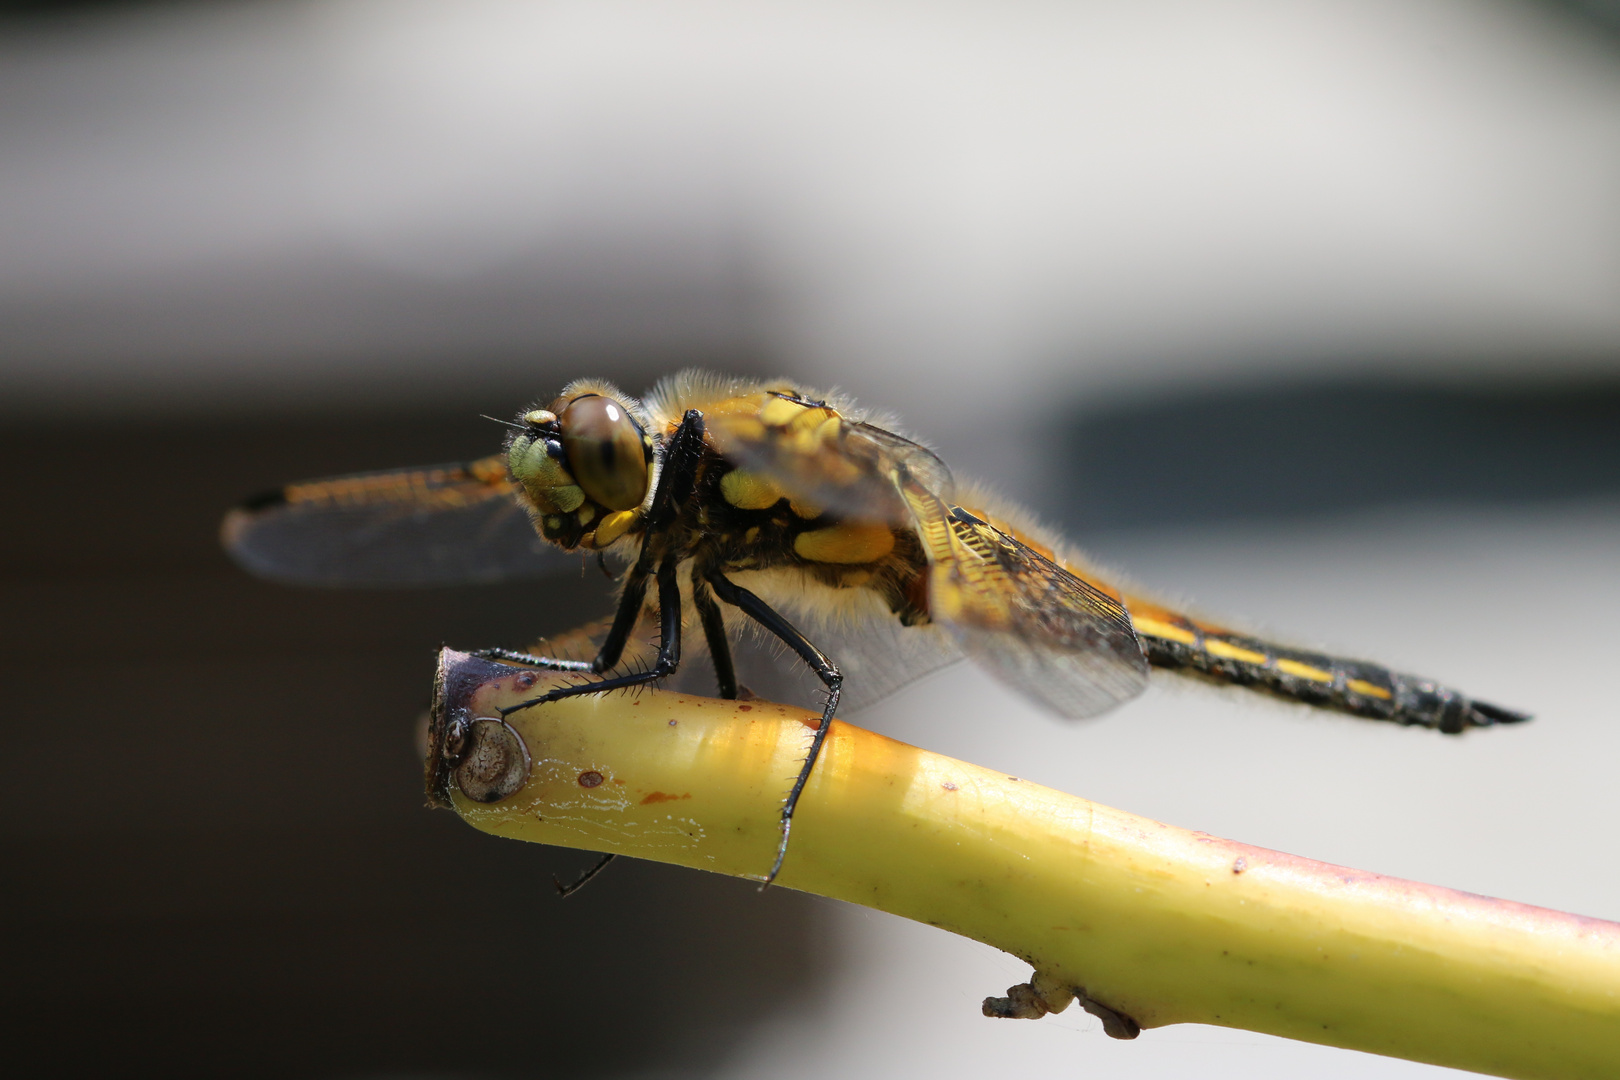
580 458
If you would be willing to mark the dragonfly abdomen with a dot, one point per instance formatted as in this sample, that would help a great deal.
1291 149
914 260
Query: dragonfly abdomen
1177 643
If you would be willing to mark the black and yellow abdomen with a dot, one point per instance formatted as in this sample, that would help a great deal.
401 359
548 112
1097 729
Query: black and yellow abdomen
1178 643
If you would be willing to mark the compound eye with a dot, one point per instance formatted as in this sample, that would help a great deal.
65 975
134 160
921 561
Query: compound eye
605 451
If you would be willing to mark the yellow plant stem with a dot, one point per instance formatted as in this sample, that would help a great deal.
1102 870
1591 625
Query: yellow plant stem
1146 924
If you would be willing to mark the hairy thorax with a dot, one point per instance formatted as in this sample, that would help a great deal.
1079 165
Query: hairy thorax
739 522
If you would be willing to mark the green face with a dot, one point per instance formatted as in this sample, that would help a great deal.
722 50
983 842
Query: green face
537 463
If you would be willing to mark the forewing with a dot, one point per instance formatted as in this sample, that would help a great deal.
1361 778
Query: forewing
440 525
1049 634
819 457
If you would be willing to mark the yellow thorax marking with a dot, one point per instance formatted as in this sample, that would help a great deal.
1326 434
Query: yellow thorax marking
778 411
748 490
848 543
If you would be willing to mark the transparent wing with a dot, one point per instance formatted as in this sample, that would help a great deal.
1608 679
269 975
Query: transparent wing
441 525
878 658
1047 633
1051 635
819 457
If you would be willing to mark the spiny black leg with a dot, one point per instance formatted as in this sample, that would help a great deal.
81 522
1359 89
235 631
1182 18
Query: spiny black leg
579 883
624 621
714 632
669 650
550 663
766 616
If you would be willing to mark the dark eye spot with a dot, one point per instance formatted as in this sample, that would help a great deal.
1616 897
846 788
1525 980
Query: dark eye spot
590 778
605 451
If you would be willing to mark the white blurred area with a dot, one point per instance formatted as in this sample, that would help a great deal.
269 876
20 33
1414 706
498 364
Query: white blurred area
960 211
204 203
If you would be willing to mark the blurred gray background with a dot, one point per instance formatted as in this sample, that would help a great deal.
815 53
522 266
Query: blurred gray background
1307 314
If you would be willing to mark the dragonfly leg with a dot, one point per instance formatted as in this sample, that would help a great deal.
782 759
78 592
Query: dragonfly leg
714 632
762 613
669 658
624 621
579 883
550 663
669 647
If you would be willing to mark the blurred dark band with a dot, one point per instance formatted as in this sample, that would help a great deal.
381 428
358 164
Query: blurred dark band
1319 449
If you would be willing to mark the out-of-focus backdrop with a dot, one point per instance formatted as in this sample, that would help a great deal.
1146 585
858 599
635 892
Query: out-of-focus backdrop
1308 314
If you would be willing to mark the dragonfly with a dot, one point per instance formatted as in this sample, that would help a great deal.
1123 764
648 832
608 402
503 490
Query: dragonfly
737 508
